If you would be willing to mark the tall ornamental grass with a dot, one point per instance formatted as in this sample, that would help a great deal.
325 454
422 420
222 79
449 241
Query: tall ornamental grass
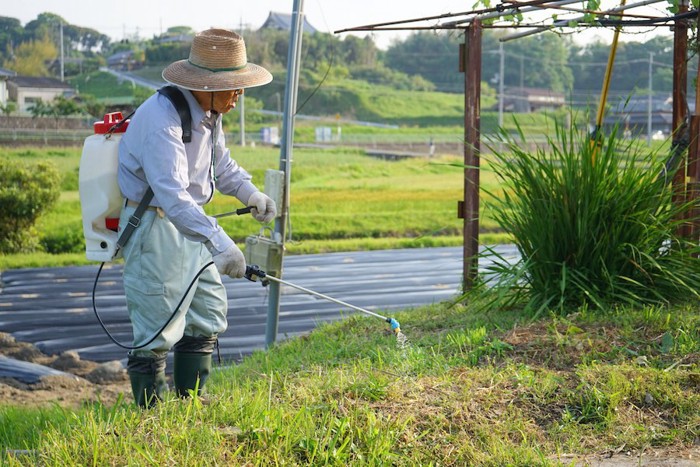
594 222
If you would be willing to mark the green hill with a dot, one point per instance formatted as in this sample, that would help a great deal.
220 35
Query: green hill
347 98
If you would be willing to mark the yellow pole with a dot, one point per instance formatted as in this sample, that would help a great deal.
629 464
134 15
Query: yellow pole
606 81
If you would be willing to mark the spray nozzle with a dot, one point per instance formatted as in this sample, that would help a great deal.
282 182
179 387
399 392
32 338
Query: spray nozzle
395 326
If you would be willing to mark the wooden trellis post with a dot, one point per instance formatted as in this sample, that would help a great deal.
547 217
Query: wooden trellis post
470 65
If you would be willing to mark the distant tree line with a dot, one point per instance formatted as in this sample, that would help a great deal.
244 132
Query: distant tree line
34 49
545 61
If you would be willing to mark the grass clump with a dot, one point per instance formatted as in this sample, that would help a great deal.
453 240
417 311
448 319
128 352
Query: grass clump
596 224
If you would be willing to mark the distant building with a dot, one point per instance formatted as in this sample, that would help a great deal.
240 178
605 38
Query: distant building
283 22
28 90
4 76
124 60
632 114
525 100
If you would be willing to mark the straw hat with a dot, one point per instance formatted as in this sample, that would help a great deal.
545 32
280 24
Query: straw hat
218 62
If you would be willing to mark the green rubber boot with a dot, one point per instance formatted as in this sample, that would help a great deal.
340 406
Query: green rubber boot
148 389
191 371
148 382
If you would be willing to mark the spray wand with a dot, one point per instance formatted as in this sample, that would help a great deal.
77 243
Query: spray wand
251 271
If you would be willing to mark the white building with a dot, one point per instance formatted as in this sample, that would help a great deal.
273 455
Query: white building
4 76
26 91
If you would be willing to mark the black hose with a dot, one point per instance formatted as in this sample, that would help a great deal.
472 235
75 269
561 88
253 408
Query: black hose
172 316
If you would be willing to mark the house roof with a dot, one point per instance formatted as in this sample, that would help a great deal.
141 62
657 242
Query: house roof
6 73
38 82
123 55
641 104
524 91
283 21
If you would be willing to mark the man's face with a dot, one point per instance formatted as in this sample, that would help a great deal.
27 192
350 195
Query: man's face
224 101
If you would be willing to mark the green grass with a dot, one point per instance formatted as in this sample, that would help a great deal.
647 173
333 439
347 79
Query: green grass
469 389
341 200
104 86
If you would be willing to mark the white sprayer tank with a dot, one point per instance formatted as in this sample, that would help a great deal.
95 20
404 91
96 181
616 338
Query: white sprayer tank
100 198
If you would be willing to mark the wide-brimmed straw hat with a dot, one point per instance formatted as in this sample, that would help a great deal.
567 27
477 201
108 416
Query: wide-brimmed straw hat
218 62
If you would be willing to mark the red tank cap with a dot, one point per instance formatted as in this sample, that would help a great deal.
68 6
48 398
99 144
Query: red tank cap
110 120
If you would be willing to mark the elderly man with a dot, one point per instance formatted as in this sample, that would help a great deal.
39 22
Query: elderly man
175 239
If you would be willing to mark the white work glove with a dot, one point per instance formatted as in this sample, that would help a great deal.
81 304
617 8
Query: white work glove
230 262
264 209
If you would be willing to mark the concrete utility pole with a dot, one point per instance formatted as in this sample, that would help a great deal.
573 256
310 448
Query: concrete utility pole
241 110
61 37
241 104
650 106
286 149
501 96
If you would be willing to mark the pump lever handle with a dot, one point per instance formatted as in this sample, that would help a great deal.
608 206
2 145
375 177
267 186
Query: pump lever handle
238 212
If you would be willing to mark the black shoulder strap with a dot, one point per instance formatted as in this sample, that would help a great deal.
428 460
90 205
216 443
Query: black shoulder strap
135 219
183 109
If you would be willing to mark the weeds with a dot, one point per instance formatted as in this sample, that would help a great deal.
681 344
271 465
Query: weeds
595 224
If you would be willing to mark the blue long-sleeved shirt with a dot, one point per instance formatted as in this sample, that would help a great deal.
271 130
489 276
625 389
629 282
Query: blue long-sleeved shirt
183 176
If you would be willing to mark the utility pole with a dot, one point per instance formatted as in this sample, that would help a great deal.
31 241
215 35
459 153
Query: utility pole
286 149
61 38
649 103
241 115
500 83
241 105
522 73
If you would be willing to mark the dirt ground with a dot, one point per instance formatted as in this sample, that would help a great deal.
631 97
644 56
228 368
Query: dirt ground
84 381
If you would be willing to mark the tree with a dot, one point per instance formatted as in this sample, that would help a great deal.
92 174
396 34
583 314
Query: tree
432 56
8 108
40 109
84 39
179 31
166 53
26 192
631 70
359 51
63 107
45 24
10 35
92 106
32 58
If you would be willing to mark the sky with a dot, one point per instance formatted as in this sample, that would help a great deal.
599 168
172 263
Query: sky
146 18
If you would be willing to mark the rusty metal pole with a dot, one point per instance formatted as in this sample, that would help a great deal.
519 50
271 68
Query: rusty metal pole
693 189
694 161
470 64
679 124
